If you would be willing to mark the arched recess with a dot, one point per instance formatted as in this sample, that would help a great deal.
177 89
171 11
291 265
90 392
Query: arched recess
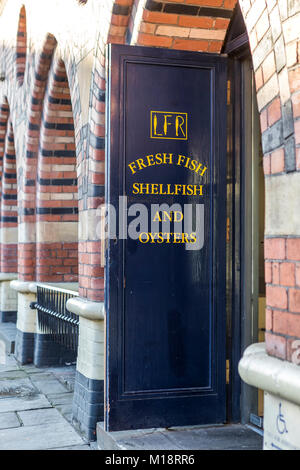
27 245
56 198
9 209
4 115
56 204
9 225
21 46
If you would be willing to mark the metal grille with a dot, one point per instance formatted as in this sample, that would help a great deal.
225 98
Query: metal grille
53 316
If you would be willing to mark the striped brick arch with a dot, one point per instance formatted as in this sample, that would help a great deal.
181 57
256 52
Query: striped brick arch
56 201
4 115
21 46
27 246
9 209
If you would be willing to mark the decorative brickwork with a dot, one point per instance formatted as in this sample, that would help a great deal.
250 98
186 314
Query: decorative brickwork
119 21
21 47
4 114
195 25
56 201
34 125
9 210
27 207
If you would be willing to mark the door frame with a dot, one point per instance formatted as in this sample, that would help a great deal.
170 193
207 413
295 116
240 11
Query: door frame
114 279
243 150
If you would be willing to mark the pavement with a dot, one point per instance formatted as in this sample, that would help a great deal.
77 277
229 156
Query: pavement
227 437
36 408
36 414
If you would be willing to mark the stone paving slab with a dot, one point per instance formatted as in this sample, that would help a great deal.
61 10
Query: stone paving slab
40 437
141 439
8 368
40 376
62 369
38 417
60 398
9 420
13 375
228 437
28 420
20 387
49 386
23 403
84 447
68 380
66 411
11 360
30 369
8 335
10 364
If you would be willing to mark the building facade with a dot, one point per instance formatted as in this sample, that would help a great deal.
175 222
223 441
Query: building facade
52 147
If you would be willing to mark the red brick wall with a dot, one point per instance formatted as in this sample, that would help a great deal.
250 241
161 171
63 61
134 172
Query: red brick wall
26 261
90 272
194 25
282 274
57 262
275 49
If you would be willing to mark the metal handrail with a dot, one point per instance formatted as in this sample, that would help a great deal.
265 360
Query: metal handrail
53 316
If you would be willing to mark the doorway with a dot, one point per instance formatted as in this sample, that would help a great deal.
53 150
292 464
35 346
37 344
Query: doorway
245 225
165 304
252 231
152 347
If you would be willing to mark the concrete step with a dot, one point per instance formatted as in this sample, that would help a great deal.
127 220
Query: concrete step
8 333
225 437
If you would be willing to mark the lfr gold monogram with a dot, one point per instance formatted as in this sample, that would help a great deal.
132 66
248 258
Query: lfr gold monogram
168 125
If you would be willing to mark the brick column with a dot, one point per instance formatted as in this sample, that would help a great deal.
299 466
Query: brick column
274 39
88 401
275 44
89 384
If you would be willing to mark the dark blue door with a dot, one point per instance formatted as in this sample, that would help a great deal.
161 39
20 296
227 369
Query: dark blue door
165 265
